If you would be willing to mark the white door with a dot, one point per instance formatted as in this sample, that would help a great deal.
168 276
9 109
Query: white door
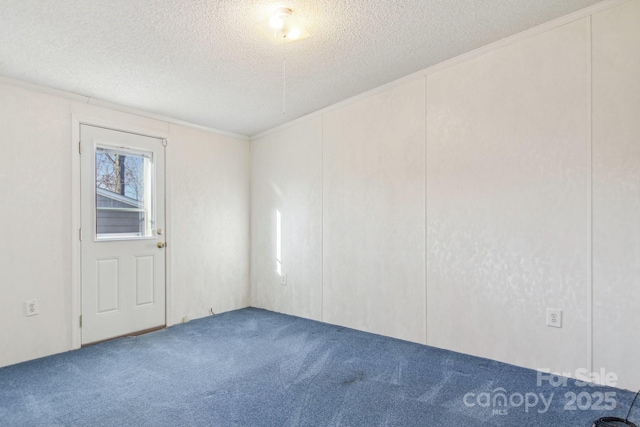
122 236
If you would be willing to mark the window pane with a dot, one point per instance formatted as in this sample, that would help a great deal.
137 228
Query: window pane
123 194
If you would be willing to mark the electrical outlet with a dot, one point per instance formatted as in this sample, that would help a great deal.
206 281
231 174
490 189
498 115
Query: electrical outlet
185 319
283 279
32 307
554 317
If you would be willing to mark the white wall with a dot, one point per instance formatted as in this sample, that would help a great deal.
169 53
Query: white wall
35 253
373 213
36 218
287 177
616 191
464 198
210 184
507 201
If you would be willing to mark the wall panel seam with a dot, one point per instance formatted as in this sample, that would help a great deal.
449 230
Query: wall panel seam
590 205
322 218
426 288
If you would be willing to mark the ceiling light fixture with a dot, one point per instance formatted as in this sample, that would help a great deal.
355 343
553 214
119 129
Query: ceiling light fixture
283 24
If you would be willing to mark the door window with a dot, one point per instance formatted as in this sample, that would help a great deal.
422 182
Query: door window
124 194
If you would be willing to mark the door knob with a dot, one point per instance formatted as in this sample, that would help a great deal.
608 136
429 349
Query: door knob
161 245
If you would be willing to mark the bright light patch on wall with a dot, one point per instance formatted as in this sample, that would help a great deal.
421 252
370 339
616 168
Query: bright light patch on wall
278 242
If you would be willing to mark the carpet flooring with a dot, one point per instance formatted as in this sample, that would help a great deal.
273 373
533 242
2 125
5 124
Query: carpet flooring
253 367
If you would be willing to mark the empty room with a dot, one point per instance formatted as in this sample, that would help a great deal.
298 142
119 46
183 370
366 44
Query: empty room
320 213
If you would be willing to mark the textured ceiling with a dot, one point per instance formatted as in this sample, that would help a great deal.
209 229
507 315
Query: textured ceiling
206 61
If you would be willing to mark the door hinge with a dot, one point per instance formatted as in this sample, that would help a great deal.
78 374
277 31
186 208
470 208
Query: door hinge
80 147
164 142
81 320
80 234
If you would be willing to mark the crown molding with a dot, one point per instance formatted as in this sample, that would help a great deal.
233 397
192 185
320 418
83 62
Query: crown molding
112 106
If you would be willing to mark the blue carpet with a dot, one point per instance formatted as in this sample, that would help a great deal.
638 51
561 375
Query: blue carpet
253 367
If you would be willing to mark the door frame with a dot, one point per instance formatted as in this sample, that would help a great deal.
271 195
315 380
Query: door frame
76 248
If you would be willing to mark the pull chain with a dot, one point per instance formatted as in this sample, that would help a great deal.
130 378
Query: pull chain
284 76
